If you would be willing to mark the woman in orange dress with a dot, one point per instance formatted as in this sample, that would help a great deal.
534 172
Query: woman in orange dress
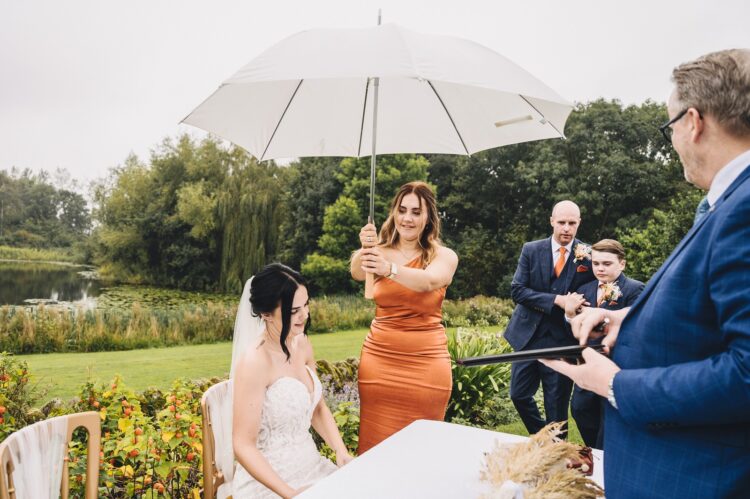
405 369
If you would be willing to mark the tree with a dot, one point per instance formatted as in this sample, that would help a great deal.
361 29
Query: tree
614 164
649 247
344 218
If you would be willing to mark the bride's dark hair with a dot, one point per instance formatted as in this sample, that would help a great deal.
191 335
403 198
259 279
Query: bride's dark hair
275 286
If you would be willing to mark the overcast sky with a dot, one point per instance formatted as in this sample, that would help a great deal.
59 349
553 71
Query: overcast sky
85 83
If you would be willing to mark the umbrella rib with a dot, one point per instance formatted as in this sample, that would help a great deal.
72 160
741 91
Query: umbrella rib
449 117
362 125
280 120
542 115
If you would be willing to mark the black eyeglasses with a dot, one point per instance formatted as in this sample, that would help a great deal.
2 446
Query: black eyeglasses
666 128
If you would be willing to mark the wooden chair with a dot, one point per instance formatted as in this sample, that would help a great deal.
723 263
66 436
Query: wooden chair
88 420
217 472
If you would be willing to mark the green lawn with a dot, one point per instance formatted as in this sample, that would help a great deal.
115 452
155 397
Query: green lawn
63 373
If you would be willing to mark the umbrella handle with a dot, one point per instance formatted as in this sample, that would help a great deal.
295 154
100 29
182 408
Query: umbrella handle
369 286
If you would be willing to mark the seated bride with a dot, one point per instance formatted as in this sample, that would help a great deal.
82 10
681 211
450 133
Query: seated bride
277 395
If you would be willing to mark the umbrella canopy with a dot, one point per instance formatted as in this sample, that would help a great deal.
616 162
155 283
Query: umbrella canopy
312 95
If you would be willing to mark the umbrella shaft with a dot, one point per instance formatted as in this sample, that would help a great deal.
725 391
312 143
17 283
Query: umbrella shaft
373 158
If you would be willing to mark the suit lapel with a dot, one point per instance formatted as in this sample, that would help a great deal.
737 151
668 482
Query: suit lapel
689 237
571 264
546 264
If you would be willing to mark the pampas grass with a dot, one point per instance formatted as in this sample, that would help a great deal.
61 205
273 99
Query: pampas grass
540 466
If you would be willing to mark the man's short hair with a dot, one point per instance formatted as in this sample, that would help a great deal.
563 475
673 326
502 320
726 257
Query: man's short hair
718 84
610 246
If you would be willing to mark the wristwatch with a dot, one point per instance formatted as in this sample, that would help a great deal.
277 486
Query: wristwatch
394 271
611 392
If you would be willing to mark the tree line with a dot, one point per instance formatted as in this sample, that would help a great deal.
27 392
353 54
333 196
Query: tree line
203 215
41 210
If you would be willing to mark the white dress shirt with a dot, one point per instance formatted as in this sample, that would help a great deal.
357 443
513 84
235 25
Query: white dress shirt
725 177
556 251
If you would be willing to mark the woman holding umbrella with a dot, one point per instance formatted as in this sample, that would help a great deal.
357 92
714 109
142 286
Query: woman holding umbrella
405 370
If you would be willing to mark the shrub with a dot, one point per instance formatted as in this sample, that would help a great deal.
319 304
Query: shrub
150 441
480 311
474 386
327 274
17 395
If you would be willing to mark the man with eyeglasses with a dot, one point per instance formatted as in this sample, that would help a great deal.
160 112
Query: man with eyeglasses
678 383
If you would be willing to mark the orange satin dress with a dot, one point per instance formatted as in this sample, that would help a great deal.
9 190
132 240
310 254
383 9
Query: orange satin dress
405 368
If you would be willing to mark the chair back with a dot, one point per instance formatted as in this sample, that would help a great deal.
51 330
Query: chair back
218 456
34 460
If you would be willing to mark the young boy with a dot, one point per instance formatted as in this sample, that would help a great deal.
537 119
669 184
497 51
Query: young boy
612 290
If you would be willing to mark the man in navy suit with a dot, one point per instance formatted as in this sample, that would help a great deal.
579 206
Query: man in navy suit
547 270
678 384
612 290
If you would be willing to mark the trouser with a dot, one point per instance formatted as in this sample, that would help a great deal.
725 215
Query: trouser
588 411
525 378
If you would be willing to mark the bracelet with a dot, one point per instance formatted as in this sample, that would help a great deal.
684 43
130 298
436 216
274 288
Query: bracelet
611 392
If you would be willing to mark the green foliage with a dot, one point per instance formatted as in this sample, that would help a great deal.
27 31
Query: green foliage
647 248
17 395
131 318
46 329
479 311
196 207
41 210
197 216
152 441
393 171
329 314
40 255
148 445
341 224
327 274
251 206
474 386
614 164
339 380
342 220
312 187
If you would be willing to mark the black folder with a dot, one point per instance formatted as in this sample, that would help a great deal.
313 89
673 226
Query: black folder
565 353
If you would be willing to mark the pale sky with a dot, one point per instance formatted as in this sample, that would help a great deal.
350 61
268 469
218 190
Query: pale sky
85 83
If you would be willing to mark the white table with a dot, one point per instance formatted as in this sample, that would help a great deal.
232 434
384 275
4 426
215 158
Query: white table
427 459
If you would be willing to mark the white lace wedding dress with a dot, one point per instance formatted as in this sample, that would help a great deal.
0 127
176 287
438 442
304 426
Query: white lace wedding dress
285 440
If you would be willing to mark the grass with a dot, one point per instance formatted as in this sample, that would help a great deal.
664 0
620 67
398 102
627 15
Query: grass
64 373
517 428
35 254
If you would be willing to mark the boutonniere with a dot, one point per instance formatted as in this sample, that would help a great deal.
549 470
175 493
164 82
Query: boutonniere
611 293
582 252
582 268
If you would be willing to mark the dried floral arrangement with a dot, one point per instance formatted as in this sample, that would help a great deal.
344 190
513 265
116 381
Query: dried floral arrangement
544 466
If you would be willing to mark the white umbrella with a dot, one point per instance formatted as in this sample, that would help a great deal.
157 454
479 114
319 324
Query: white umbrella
312 95
380 90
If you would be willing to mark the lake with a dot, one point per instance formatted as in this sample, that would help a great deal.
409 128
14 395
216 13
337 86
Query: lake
21 281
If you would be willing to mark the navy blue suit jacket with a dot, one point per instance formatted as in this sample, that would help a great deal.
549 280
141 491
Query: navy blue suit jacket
531 289
630 289
683 424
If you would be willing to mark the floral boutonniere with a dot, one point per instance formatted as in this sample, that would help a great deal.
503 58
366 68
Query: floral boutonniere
582 252
611 293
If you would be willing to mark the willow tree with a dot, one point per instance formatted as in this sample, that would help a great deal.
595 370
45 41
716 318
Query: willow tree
250 211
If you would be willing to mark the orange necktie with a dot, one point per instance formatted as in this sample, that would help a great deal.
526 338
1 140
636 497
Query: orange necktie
600 298
560 262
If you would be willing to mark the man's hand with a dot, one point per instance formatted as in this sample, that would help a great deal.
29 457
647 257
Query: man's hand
584 325
573 303
594 375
